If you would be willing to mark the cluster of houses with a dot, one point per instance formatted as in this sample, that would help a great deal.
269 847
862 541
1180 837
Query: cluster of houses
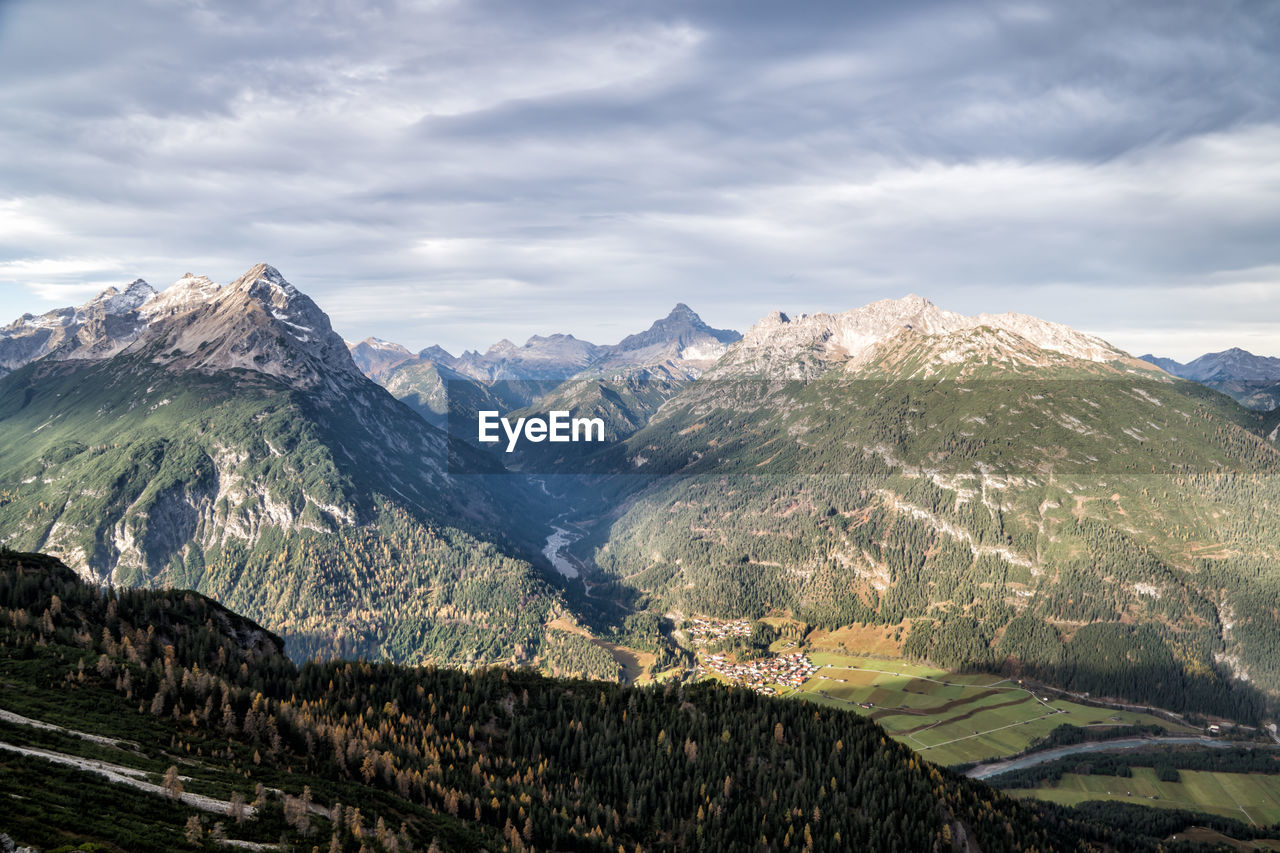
704 632
789 670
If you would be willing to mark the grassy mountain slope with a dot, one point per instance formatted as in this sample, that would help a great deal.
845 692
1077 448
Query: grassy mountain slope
349 756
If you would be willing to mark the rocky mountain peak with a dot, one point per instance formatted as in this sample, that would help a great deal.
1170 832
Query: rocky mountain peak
181 295
1234 365
681 336
438 354
829 339
259 322
376 358
265 282
97 329
114 301
681 311
384 346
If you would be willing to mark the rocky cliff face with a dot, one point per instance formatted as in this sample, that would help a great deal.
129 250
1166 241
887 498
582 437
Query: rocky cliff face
259 322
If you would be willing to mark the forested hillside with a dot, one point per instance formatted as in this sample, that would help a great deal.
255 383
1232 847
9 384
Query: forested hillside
354 755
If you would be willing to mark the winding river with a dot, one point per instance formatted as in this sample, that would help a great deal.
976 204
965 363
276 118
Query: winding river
559 540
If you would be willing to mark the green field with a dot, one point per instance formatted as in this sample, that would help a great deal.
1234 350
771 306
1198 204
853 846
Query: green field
1251 797
950 718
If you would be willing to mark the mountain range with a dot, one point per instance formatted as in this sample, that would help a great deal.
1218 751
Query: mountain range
1253 380
1005 492
1020 496
680 337
506 377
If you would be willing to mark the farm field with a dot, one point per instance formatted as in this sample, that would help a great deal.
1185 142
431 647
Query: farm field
951 718
1251 797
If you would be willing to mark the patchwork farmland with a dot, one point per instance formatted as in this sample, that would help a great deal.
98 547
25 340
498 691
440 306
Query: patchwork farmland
951 718
1250 797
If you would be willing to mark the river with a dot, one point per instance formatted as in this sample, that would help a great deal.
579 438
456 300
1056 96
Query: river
995 768
559 539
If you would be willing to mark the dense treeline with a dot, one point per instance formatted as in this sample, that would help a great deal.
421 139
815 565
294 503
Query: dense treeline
533 763
1069 735
398 590
1166 761
1165 823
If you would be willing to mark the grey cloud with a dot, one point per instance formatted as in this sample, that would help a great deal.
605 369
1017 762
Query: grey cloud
456 172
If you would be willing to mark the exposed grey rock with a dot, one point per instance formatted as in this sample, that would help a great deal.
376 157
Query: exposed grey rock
101 327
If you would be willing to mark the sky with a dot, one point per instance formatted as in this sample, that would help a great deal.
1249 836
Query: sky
460 172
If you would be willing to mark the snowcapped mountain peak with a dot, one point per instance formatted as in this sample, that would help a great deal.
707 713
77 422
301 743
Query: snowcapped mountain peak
115 302
259 322
186 292
376 358
99 328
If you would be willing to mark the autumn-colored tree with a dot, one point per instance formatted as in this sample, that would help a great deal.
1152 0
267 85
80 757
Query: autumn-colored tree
235 808
172 784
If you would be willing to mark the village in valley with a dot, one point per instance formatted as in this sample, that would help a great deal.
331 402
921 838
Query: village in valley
787 670
763 674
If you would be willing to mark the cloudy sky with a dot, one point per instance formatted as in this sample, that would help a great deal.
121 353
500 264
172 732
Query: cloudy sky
457 172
